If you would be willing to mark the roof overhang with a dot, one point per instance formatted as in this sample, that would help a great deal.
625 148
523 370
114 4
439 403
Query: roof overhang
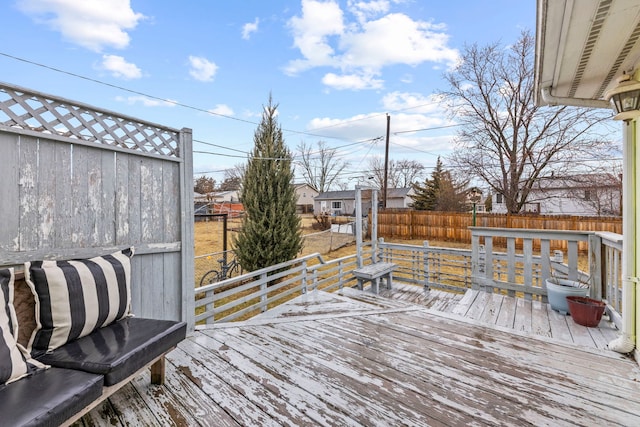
582 47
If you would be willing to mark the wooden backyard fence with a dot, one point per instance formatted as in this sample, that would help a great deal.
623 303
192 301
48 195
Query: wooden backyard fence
409 224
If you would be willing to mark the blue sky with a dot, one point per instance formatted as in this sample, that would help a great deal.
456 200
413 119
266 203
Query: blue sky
336 68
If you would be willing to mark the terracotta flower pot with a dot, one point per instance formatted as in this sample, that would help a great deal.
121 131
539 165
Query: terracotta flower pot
586 311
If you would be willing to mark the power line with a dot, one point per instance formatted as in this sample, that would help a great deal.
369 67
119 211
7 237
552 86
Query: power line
157 98
426 129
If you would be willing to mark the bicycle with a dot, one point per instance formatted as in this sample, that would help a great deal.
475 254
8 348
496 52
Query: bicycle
230 269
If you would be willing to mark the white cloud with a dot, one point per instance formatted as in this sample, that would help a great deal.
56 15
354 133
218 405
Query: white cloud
376 39
202 69
93 24
145 101
222 109
311 33
364 10
120 68
351 81
416 102
396 39
248 28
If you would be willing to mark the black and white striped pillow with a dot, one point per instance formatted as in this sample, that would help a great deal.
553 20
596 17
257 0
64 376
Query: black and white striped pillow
15 362
74 298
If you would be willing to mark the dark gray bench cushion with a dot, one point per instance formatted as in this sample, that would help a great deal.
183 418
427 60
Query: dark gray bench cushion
48 397
120 349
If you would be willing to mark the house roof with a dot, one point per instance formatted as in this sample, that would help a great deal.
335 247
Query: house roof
297 186
392 193
337 195
582 47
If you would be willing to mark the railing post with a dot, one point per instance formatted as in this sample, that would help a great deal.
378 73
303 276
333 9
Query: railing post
527 265
475 260
596 266
511 263
303 280
374 226
340 274
263 296
425 262
209 307
359 226
315 280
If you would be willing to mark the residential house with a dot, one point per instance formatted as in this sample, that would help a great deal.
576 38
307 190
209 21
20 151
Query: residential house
343 202
583 195
306 195
218 202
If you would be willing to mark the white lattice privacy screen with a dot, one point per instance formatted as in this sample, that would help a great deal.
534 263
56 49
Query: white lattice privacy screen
78 182
24 109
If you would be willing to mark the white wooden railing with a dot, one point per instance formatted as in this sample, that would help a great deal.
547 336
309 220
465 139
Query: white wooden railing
432 267
611 275
529 261
253 293
519 269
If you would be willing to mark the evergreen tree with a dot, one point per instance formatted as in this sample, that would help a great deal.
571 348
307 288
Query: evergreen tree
270 231
440 192
426 196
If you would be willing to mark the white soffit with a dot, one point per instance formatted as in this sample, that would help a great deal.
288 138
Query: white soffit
582 46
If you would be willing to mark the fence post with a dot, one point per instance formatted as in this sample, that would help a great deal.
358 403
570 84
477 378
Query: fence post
340 272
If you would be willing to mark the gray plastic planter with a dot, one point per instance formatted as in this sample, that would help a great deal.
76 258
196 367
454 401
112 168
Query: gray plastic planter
559 289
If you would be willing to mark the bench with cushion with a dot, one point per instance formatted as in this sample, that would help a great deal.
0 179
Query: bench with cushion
69 330
373 273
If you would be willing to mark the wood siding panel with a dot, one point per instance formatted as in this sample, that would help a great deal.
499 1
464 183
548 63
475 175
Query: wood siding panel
123 185
63 192
87 191
107 230
80 196
171 211
46 200
135 200
28 193
65 200
10 192
172 304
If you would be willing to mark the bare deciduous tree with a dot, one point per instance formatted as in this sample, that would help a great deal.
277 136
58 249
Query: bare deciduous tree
235 173
506 140
321 168
400 174
204 185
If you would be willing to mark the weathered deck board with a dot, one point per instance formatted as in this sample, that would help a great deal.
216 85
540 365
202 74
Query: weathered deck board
359 359
533 317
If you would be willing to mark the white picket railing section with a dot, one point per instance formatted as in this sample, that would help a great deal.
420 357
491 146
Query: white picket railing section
521 271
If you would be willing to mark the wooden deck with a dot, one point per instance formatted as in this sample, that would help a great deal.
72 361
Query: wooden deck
531 317
357 359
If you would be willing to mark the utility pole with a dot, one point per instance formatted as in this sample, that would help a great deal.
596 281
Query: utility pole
386 165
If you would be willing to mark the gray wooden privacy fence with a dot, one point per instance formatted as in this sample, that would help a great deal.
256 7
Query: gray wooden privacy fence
78 181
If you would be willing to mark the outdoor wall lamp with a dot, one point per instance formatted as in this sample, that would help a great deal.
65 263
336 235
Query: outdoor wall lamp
625 97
